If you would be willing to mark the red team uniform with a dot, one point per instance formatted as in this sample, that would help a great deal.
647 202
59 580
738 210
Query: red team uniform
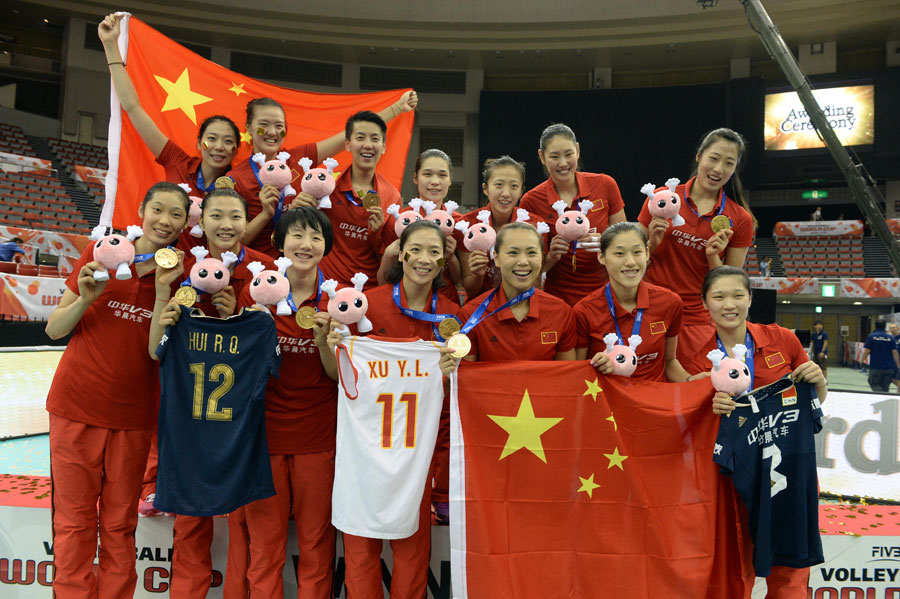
776 353
679 261
411 555
246 184
102 404
661 320
549 328
570 280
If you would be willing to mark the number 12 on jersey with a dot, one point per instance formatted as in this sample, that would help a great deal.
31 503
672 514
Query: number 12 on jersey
387 418
217 372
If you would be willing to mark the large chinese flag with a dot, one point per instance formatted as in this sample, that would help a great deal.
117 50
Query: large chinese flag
569 484
179 89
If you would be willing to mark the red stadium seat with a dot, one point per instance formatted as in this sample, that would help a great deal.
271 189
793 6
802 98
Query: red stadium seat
9 267
28 270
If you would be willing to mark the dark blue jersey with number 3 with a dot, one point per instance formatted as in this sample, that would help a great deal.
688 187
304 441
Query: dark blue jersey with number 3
213 454
771 457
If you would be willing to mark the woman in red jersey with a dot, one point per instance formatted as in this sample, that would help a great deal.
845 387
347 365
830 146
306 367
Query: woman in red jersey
267 126
408 306
432 178
503 180
217 140
681 256
776 353
627 305
99 430
571 274
515 320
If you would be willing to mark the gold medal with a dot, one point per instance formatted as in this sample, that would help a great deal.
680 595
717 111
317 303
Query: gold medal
448 327
306 317
186 296
165 258
460 344
224 182
371 199
720 223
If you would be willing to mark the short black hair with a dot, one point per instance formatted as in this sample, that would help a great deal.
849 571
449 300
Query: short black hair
364 116
304 217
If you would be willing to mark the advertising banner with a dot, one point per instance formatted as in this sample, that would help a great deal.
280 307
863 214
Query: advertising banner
870 287
68 246
15 163
788 285
840 228
30 297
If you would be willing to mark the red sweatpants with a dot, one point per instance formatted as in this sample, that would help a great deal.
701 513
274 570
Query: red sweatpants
787 583
191 574
302 482
149 484
409 577
236 586
87 464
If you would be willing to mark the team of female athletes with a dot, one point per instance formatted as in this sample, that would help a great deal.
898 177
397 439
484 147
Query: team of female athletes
620 277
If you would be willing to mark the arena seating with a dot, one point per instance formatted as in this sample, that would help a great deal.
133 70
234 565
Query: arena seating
13 141
822 256
72 152
38 201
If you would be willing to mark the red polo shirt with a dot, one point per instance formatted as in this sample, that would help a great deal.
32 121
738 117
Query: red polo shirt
679 261
355 249
661 320
301 404
389 321
180 168
106 377
240 277
246 184
547 329
564 280
492 274
776 353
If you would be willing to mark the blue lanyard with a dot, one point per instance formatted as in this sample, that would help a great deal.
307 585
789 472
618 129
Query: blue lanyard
434 317
138 258
350 199
636 329
748 357
290 297
202 184
477 317
278 207
187 281
698 215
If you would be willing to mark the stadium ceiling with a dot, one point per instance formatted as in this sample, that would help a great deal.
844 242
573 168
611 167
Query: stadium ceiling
499 35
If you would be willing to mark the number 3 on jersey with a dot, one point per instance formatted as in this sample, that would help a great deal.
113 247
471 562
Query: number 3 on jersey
218 372
777 480
387 418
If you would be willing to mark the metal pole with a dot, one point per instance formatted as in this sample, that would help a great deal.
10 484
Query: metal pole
864 194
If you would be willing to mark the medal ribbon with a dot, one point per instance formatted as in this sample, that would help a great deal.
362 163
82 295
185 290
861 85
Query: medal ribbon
698 215
477 317
636 329
748 357
138 258
433 318
201 183
350 199
278 207
290 297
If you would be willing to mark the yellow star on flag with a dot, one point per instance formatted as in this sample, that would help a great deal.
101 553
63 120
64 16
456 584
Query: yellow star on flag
612 418
615 459
237 88
246 137
588 485
524 429
593 388
180 95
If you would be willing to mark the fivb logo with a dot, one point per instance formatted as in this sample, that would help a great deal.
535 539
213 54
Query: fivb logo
887 429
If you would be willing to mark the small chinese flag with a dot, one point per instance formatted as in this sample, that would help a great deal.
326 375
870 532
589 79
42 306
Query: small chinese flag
548 337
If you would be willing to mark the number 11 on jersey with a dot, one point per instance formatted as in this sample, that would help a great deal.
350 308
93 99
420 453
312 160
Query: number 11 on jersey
387 418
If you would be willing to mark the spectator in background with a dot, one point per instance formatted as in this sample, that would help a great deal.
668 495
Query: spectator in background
884 357
765 267
817 214
10 251
818 345
840 216
894 331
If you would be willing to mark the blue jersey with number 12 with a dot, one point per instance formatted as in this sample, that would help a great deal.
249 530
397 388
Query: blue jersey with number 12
213 454
771 457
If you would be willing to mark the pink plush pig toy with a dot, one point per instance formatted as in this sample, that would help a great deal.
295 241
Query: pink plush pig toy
114 252
194 212
730 375
623 357
572 224
664 203
348 305
275 172
318 182
442 218
209 274
407 217
480 236
271 287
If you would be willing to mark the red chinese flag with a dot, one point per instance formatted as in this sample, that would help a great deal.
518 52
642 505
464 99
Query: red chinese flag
569 484
179 89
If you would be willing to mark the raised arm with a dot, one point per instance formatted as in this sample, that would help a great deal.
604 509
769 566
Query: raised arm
335 143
